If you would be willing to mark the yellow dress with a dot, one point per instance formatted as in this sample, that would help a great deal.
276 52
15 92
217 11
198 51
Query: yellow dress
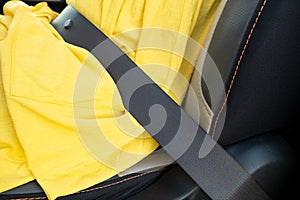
48 112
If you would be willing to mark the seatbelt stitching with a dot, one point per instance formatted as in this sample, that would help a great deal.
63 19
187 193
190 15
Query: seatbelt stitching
237 67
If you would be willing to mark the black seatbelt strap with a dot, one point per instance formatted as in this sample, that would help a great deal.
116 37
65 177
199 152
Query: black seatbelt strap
218 174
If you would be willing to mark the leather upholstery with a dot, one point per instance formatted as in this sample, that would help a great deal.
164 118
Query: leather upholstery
265 93
266 158
264 96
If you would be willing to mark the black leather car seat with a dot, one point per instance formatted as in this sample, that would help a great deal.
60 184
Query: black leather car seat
256 49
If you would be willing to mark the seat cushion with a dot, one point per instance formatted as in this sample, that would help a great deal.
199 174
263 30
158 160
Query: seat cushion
114 188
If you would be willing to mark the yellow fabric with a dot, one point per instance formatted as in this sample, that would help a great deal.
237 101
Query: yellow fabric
39 136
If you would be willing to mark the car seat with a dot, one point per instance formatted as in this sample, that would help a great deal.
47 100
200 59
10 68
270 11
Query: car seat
255 46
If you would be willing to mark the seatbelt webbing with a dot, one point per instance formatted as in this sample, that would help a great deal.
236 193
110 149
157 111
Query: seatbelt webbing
218 174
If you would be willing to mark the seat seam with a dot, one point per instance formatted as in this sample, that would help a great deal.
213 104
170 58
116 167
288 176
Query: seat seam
237 67
103 186
121 181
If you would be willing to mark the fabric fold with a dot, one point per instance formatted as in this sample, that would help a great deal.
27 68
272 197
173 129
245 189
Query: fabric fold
71 128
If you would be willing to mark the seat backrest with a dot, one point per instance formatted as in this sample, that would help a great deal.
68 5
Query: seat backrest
256 48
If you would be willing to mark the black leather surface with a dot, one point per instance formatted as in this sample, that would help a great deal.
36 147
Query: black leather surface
229 35
265 95
114 188
270 160
267 158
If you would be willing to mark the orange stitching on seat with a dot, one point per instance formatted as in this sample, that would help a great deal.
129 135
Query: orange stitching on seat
32 198
238 66
121 181
102 187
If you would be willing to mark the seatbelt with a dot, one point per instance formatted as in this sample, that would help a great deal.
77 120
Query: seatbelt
218 174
